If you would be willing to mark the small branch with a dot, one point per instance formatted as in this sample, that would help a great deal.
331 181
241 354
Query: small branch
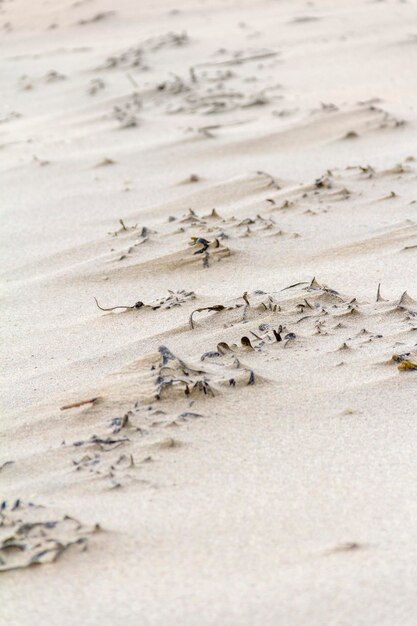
77 404
295 285
239 61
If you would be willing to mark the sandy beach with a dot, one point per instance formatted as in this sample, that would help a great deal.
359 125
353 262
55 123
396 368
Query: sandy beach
209 313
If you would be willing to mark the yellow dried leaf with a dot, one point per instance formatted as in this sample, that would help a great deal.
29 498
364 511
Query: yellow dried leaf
407 365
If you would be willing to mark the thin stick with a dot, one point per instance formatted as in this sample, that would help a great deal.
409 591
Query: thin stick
295 285
77 404
255 57
132 80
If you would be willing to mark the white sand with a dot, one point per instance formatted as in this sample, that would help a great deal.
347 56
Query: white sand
291 501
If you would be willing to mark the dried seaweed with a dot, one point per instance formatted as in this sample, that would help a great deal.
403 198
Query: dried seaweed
277 333
29 537
407 366
215 307
246 343
174 299
98 17
105 163
5 464
203 242
350 546
378 293
295 285
96 85
272 182
173 373
104 443
134 57
137 305
114 472
208 355
123 229
126 113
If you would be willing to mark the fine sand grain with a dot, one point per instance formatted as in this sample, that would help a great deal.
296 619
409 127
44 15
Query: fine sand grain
209 313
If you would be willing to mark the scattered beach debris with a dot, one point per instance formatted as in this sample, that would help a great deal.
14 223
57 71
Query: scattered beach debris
173 299
29 535
98 17
350 546
105 163
173 372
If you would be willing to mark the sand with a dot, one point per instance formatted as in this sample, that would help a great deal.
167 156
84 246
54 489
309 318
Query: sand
255 160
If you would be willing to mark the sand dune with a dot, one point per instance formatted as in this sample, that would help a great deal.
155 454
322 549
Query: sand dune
209 220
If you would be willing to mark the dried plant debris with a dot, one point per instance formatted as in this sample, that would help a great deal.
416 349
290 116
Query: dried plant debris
208 88
408 304
104 443
105 162
173 373
192 178
167 388
5 464
215 307
217 229
114 472
148 418
137 236
135 57
350 546
95 85
115 469
263 336
98 17
127 113
240 57
379 298
270 305
41 162
128 229
137 305
9 117
254 306
53 76
296 313
201 101
201 240
209 249
75 405
165 376
30 535
27 84
173 299
405 366
204 243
